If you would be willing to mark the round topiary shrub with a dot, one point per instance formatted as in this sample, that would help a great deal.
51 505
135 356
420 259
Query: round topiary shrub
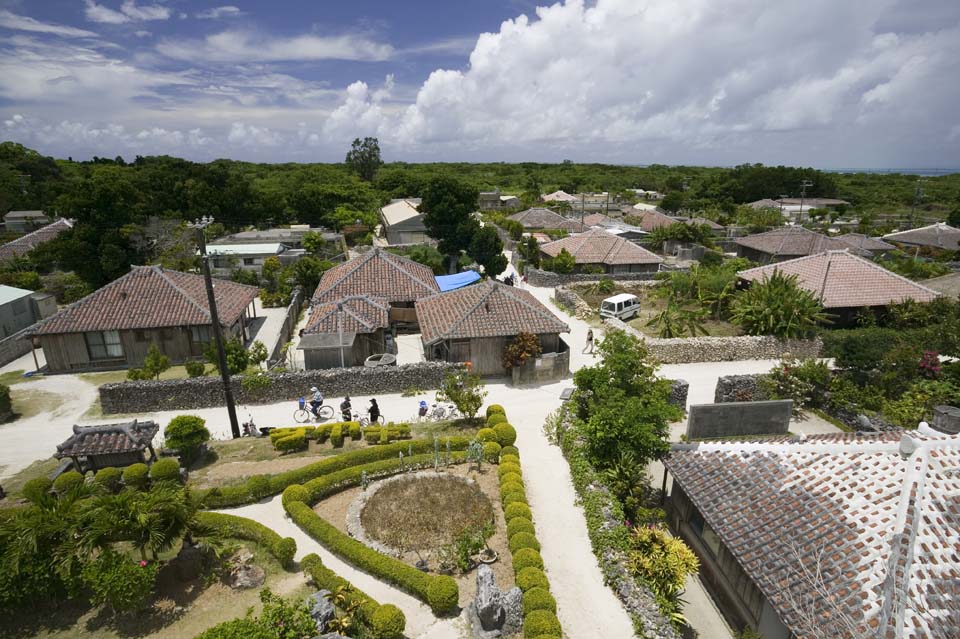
186 433
541 622
388 622
491 452
514 496
511 478
506 434
295 493
443 596
507 467
166 469
495 408
285 549
527 558
519 525
517 510
107 480
523 540
512 486
136 476
509 451
486 435
531 578
67 482
37 489
496 418
538 598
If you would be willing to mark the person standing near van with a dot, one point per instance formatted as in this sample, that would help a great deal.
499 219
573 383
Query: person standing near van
589 347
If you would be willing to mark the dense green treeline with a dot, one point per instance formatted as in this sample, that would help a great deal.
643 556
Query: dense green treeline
130 212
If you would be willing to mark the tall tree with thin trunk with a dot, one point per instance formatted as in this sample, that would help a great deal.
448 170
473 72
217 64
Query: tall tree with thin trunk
448 205
364 158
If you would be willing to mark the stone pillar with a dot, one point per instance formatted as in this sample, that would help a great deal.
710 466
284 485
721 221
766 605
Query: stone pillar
946 419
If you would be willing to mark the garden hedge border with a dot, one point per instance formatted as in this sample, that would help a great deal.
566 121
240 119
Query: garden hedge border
525 549
282 548
260 486
326 579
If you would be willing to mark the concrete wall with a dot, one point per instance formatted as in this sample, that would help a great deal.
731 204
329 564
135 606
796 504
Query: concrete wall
207 392
289 324
770 417
15 346
16 316
682 350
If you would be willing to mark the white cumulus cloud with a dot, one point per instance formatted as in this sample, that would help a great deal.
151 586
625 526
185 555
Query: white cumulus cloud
215 13
129 12
16 22
244 46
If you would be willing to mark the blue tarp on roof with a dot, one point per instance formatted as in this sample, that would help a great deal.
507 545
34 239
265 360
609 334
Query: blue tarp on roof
459 280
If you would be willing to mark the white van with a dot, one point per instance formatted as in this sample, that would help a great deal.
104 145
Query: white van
622 306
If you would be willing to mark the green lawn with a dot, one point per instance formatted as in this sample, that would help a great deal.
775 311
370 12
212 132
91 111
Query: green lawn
40 468
110 377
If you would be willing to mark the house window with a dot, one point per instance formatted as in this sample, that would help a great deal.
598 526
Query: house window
201 334
710 539
104 344
249 261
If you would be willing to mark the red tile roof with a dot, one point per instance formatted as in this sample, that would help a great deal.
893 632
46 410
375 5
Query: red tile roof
791 241
937 235
842 280
361 314
878 516
599 247
488 309
652 219
112 438
23 245
377 273
151 297
541 218
864 242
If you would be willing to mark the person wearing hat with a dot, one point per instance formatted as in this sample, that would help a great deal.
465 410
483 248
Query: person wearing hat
316 401
374 411
346 409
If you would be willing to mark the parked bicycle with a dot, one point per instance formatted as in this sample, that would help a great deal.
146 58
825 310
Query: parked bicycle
365 419
303 414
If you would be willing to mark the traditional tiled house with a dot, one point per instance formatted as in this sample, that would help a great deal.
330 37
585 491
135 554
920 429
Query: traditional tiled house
785 244
936 236
605 251
94 447
380 274
864 244
115 326
345 332
946 284
652 219
475 324
545 219
23 245
844 535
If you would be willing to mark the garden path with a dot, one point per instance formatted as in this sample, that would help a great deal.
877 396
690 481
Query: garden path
421 623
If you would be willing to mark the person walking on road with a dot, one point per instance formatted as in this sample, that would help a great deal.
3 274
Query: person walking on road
589 347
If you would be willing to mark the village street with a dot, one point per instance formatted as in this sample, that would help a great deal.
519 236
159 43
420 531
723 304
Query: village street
586 606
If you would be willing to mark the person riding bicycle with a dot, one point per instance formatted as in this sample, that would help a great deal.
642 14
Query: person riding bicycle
346 409
374 411
423 408
316 401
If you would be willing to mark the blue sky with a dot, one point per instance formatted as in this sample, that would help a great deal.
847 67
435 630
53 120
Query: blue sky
868 84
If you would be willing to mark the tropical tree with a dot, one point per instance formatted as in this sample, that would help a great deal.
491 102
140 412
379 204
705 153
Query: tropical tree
447 205
487 249
676 321
523 347
465 390
363 158
777 306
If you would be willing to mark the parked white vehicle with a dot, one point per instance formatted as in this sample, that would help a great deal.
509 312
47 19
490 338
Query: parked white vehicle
623 306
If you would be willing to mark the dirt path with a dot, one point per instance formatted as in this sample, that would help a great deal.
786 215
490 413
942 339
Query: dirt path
36 437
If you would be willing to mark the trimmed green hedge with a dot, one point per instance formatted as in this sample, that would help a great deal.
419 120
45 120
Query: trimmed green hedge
108 479
67 482
440 592
297 440
241 494
538 598
495 408
282 548
510 451
531 578
136 476
336 436
506 434
392 432
487 435
519 525
491 452
517 510
326 579
496 418
540 622
166 469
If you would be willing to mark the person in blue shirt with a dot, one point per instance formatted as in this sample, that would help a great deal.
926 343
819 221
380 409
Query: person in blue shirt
316 401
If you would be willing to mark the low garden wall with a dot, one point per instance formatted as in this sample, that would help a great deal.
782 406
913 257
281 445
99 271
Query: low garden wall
681 350
16 345
537 277
746 388
207 392
736 419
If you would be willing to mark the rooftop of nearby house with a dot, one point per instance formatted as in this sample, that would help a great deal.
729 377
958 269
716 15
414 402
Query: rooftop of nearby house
400 211
541 218
378 273
558 196
23 245
947 284
600 247
765 203
487 309
790 241
151 297
351 314
939 235
813 202
864 242
864 527
651 219
24 215
11 293
109 439
262 248
842 280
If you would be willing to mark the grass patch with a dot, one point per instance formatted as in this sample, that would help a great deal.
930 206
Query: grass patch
40 468
16 377
28 403
112 377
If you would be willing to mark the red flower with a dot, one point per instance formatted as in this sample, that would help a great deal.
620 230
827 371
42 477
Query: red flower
143 563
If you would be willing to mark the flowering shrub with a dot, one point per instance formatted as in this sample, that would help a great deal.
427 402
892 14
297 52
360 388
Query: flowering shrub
663 562
120 582
930 365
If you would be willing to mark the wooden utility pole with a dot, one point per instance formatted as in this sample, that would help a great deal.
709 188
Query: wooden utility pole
199 225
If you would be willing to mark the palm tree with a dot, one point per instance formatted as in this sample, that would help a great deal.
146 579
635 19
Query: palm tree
677 321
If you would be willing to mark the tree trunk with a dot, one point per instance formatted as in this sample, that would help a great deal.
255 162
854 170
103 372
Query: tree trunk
453 263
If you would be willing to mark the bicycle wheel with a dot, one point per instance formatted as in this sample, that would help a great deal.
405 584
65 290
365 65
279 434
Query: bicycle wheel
381 420
301 416
325 412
